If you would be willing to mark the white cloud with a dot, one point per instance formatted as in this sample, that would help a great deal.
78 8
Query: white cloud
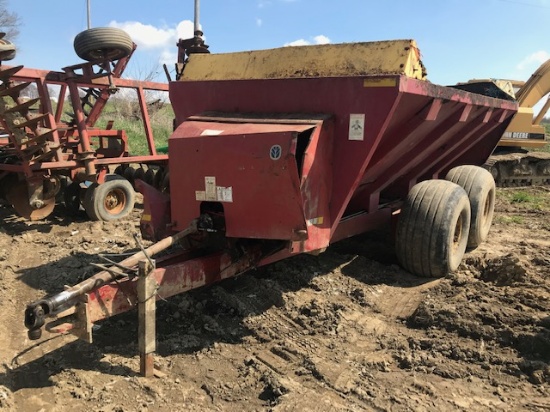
145 35
320 39
162 39
168 57
186 29
299 42
538 57
259 22
150 37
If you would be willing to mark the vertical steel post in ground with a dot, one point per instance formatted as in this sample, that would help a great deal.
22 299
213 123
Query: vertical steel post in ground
146 291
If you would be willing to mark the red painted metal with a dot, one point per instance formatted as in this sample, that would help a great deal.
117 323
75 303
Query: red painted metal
172 279
155 219
267 202
413 130
71 148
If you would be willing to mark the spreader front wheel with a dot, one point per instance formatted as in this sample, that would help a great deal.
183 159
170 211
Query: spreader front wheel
111 200
432 231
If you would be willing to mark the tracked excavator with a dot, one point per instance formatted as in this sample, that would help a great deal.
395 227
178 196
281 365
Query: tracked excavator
515 161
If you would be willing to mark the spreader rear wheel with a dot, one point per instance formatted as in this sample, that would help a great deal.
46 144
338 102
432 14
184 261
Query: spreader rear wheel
111 200
103 43
432 231
480 188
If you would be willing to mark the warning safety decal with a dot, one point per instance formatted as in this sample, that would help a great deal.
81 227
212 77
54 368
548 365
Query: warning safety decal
214 193
356 127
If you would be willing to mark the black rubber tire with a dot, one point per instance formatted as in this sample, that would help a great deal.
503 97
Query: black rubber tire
103 42
111 200
129 174
7 50
149 177
480 188
119 170
432 231
159 176
139 174
165 185
65 181
72 197
88 201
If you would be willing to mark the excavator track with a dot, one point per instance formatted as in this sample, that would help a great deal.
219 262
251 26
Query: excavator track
520 169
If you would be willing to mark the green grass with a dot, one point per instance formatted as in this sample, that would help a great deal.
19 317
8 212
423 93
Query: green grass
506 220
515 204
521 197
545 148
535 199
126 116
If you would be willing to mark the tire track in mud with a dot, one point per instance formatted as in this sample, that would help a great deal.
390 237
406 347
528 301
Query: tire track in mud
311 331
338 327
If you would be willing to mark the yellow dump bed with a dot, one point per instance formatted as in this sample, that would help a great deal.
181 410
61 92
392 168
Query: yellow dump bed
394 57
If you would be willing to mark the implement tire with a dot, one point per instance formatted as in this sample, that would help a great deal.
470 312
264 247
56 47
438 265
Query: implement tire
7 50
111 200
72 197
432 231
480 188
103 43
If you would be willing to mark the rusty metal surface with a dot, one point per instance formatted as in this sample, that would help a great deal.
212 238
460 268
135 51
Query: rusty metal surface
180 275
18 196
329 60
39 142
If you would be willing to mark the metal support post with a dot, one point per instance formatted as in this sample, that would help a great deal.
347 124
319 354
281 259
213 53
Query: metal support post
146 291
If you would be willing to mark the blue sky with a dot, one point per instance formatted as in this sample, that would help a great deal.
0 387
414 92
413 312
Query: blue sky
459 39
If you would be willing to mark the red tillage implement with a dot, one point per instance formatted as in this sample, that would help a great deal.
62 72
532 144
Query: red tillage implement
286 151
45 145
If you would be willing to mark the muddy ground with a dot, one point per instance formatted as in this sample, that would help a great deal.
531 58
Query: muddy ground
346 331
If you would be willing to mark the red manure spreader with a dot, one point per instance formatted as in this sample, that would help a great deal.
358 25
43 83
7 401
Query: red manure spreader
286 151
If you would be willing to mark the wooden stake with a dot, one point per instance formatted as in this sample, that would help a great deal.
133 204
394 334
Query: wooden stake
146 288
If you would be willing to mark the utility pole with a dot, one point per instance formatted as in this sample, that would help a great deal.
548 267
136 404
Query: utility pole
197 16
89 14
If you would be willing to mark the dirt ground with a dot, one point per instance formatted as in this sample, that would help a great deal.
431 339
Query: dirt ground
345 331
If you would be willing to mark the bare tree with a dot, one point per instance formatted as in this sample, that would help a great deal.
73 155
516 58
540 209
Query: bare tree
9 21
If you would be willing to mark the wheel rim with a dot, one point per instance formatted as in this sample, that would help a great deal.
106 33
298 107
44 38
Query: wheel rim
458 233
115 201
488 206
